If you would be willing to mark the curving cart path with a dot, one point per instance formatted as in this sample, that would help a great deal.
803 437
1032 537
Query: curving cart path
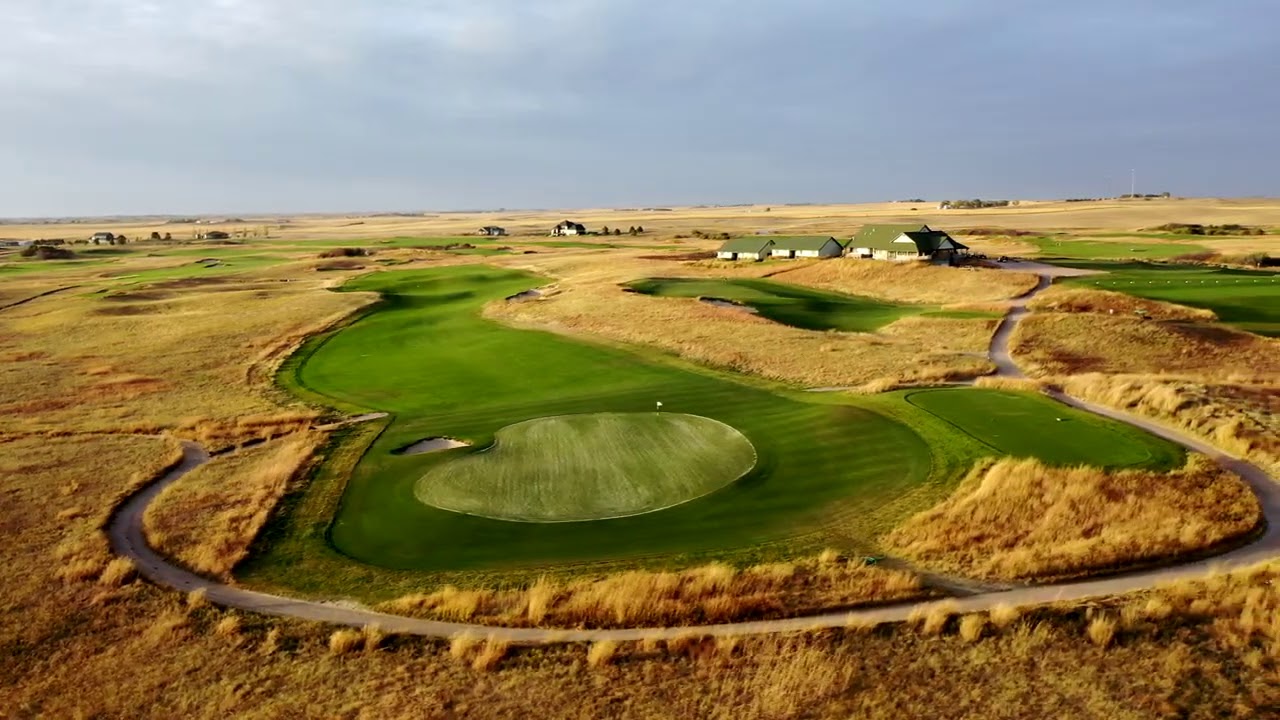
125 532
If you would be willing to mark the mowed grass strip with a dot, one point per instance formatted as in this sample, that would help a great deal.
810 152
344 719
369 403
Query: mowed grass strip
1249 300
1025 425
1087 249
591 467
793 305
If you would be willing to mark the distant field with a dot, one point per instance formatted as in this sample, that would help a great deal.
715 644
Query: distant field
1246 299
1023 425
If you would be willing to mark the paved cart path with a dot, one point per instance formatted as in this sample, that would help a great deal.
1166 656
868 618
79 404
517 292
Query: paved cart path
125 532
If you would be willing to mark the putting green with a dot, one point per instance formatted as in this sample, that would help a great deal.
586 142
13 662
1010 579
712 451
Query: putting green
591 467
1025 425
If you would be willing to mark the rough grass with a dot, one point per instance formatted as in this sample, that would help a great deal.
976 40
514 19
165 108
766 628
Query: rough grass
910 350
1019 519
1240 418
1070 343
209 518
911 282
709 594
1063 298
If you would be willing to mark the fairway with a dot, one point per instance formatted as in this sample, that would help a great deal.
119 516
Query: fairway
1089 249
1024 425
1249 300
793 305
591 467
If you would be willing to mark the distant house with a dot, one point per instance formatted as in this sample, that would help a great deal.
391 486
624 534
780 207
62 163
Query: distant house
569 227
217 235
492 231
102 237
906 242
745 248
809 246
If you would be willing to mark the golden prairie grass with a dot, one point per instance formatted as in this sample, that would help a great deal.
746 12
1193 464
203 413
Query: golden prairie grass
491 654
708 594
232 497
911 282
117 572
1102 630
188 355
1017 519
1069 344
973 626
1013 384
911 350
1066 299
1240 418
344 642
601 653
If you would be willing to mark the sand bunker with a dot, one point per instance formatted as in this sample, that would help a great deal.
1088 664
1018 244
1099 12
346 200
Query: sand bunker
730 305
430 445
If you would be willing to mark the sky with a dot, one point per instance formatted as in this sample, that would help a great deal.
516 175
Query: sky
262 106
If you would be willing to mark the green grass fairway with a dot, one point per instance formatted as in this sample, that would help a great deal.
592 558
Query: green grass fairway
793 305
825 464
591 467
1087 249
1246 299
1025 425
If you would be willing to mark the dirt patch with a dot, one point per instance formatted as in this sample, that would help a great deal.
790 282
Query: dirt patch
430 445
139 296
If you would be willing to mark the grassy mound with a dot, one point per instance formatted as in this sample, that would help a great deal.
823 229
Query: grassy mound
787 304
589 467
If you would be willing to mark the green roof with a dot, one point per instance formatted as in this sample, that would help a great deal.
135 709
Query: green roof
802 242
934 240
881 237
746 245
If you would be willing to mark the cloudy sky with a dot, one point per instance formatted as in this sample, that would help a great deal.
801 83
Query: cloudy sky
188 106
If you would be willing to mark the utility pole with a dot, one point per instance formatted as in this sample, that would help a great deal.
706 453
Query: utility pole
1133 182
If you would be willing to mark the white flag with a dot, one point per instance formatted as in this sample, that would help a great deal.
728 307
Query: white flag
659 405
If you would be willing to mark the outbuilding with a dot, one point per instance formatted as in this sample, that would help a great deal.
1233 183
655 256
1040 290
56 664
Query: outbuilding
492 231
745 248
102 237
806 246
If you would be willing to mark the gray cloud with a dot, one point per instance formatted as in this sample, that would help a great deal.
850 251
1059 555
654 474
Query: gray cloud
260 105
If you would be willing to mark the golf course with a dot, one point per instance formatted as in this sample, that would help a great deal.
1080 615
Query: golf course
569 458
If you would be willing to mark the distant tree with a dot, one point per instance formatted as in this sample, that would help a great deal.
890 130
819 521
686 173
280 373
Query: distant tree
121 240
631 230
155 235
617 231
604 230
168 236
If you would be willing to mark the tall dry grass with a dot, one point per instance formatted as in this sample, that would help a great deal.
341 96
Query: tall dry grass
910 350
708 594
1069 344
1065 299
1018 519
911 282
209 518
1240 418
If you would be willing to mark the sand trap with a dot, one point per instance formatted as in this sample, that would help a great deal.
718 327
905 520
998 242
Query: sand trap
430 445
717 302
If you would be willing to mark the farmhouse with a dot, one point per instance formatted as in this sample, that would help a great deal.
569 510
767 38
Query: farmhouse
569 227
492 230
906 242
745 248
102 237
813 246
